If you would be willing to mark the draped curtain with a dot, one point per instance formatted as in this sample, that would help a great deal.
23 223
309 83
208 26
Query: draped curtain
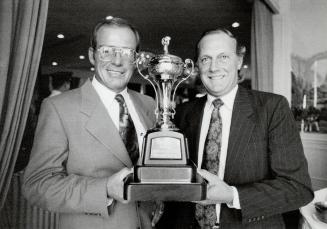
17 213
262 47
22 27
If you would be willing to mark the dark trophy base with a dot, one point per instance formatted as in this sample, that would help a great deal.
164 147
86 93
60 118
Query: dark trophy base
164 171
175 190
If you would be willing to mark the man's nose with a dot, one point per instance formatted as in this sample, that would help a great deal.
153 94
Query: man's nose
117 60
214 66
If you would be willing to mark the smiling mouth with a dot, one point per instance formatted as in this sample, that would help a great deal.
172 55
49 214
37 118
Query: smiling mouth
114 71
216 77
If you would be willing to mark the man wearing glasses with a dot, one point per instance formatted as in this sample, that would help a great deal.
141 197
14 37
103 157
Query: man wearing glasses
88 139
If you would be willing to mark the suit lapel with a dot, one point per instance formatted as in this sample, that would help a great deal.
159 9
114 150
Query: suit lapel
194 121
100 125
242 126
145 114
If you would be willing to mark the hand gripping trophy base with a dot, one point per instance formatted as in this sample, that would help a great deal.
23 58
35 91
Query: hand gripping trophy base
164 170
157 177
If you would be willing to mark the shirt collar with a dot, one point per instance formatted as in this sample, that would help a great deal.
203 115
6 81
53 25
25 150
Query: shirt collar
55 92
228 98
105 93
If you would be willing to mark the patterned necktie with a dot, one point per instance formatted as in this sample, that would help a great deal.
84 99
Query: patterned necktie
206 215
127 130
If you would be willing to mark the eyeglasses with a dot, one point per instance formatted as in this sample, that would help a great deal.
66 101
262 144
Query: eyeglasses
109 53
220 59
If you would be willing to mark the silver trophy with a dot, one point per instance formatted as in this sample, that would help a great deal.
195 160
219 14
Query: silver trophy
165 72
164 171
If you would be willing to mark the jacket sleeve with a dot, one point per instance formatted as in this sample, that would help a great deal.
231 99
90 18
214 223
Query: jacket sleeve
46 181
289 185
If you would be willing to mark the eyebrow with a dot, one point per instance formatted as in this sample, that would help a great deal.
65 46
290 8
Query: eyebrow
224 53
199 57
220 54
115 46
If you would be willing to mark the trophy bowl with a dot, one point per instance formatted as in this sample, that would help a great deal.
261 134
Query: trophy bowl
167 65
164 169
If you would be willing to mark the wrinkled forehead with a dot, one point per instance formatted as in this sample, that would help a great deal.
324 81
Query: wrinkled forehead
217 42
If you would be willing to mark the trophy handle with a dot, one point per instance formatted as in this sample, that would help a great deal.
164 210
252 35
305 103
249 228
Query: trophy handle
188 67
142 63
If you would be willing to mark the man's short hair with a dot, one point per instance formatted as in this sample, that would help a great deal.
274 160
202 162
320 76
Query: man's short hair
60 78
240 49
114 21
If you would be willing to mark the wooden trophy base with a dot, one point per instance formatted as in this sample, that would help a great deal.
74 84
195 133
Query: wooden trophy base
164 171
194 190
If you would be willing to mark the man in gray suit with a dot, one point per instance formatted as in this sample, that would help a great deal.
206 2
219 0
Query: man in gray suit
88 139
245 144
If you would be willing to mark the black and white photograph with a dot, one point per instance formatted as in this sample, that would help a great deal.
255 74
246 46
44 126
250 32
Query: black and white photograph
163 114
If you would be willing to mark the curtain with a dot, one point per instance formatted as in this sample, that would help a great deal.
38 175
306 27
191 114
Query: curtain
22 27
17 213
262 47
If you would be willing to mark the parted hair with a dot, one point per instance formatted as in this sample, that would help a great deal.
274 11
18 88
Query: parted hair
114 21
240 49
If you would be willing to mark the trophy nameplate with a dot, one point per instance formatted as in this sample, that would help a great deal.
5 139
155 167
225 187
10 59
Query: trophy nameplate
164 170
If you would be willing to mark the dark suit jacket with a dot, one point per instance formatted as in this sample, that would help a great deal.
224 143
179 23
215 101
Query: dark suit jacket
265 162
76 148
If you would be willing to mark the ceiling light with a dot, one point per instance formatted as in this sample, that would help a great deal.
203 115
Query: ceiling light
245 66
82 57
60 36
54 63
109 17
235 24
92 69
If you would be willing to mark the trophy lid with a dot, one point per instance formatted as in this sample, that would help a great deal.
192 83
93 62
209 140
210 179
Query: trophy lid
166 57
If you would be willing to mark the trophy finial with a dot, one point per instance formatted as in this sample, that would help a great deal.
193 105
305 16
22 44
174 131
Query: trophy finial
165 42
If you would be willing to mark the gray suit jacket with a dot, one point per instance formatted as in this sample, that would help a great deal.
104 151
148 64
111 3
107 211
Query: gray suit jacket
265 162
76 148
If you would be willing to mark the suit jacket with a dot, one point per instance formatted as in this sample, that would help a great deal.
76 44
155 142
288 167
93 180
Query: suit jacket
265 162
76 148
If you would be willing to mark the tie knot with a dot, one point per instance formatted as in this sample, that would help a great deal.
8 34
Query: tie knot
217 103
120 99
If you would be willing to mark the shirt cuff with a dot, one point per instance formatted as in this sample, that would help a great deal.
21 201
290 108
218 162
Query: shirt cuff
236 200
110 205
109 201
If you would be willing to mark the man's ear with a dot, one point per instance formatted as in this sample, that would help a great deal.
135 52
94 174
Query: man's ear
239 62
50 84
91 55
240 57
68 85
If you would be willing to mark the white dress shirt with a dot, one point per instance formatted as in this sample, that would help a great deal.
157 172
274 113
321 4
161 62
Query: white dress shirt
226 115
112 106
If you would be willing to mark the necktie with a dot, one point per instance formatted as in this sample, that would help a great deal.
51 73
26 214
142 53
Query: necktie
127 130
206 215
